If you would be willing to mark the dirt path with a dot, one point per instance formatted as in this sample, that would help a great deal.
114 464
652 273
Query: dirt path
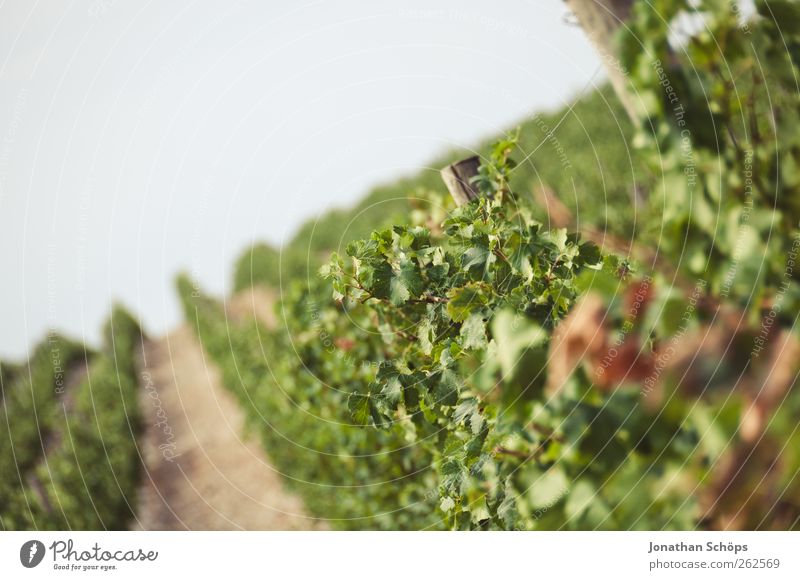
202 474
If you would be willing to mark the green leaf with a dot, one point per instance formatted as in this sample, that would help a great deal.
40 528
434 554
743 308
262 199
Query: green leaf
579 499
426 336
549 488
514 334
474 445
406 284
391 391
476 258
589 254
559 238
454 474
414 238
411 384
446 388
358 405
381 420
378 279
473 332
447 504
468 413
507 509
362 249
464 301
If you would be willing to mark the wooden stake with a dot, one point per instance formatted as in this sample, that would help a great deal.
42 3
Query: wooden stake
600 20
457 179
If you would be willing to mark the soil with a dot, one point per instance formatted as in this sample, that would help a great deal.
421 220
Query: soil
202 472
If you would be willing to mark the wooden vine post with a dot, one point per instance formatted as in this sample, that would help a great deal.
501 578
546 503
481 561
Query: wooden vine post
457 177
600 20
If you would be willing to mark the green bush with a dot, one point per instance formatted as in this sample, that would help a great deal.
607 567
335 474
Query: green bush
356 479
82 473
30 414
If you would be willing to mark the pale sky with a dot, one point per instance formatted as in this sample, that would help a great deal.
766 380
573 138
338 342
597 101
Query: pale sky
138 138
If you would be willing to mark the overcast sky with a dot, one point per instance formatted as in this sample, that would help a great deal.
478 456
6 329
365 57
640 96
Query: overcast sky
138 138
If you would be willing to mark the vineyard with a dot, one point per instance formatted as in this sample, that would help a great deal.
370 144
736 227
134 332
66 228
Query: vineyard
598 332
70 460
475 367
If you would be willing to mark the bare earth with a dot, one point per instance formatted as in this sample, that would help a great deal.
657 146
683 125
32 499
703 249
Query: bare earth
201 472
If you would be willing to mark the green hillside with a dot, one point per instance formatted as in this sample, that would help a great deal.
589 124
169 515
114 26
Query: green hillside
581 152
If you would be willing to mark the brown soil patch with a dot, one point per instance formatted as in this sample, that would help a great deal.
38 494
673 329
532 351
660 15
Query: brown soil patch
202 473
